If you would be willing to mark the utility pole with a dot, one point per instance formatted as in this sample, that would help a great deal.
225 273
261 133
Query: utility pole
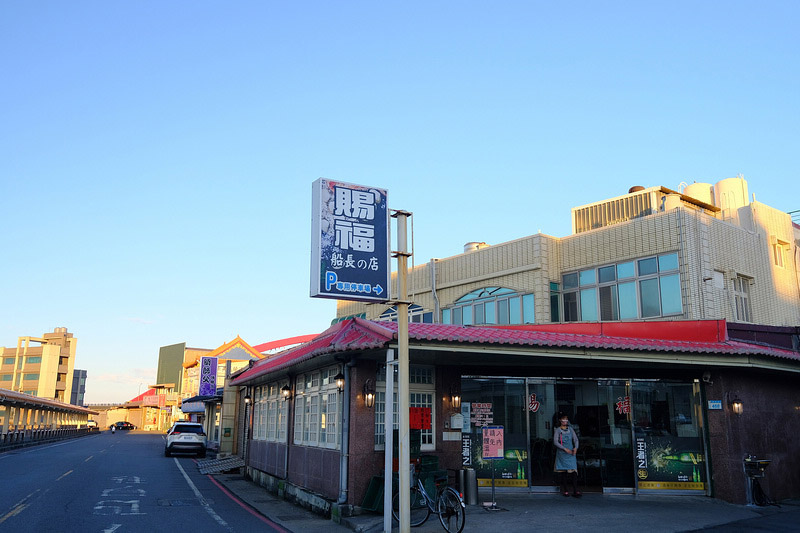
404 455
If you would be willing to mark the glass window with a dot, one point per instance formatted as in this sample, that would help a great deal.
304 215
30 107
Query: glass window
571 307
528 315
668 262
33 360
489 316
8 360
628 306
480 315
606 274
741 293
587 277
570 280
648 266
457 319
671 295
6 377
421 394
446 316
626 270
514 310
555 315
466 315
502 311
589 305
648 289
608 303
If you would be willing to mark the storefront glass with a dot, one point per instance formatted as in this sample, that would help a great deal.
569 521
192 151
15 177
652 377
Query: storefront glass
668 431
617 421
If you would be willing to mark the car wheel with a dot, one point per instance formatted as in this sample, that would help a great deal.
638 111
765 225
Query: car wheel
166 452
201 455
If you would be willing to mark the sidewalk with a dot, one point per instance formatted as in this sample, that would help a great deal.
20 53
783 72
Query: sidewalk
524 512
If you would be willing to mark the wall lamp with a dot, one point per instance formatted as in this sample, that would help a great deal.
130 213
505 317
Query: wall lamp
369 393
247 399
339 379
737 406
455 398
286 392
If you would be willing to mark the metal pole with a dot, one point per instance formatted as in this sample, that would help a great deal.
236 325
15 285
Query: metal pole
388 424
404 457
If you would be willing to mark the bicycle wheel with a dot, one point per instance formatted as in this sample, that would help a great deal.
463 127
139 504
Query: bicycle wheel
451 510
419 507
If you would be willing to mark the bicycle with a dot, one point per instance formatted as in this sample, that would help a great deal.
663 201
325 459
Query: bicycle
448 505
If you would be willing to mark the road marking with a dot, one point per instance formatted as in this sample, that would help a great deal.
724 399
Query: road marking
112 528
109 507
200 498
88 459
18 507
65 474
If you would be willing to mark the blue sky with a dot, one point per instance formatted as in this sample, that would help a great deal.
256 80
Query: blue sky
156 158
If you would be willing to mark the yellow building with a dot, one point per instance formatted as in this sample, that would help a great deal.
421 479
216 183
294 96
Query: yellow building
708 252
40 366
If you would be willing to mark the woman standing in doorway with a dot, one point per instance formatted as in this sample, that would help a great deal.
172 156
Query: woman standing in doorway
566 442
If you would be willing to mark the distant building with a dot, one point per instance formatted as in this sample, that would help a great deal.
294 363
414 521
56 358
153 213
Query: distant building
78 387
40 366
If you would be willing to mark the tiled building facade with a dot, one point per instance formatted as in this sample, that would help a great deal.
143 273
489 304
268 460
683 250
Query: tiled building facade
745 255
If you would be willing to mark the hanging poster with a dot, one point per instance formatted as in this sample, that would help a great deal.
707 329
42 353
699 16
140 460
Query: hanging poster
670 463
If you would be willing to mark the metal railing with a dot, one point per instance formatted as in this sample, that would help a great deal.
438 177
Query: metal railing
30 437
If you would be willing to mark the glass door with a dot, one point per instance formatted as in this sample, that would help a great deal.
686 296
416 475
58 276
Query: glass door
616 450
541 411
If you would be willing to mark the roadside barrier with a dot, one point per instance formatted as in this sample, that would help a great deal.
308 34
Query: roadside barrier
31 437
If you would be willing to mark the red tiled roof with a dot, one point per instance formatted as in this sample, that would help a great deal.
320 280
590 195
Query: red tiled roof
707 336
345 336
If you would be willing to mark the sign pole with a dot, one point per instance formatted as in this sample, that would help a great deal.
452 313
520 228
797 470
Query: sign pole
403 403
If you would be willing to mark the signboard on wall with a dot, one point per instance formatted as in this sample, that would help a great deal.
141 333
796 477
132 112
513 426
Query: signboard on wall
208 376
350 242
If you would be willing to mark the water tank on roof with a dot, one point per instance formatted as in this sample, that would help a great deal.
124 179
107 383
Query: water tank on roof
472 246
731 193
701 191
635 188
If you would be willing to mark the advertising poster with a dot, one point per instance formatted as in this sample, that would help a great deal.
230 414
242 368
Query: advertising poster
510 469
670 463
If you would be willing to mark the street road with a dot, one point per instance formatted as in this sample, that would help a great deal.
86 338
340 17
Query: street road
115 483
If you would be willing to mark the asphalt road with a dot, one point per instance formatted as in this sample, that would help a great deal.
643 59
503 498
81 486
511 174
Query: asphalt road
115 483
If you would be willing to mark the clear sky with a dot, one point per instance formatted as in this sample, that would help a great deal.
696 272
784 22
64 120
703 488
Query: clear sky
156 158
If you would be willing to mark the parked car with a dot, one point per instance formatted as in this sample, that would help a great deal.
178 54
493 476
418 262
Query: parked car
91 424
186 437
122 425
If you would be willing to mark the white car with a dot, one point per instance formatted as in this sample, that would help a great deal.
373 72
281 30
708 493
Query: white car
91 424
186 437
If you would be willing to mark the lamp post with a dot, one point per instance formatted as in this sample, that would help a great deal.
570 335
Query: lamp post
247 401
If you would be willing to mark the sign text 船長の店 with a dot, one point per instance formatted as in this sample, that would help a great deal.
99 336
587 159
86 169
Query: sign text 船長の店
350 242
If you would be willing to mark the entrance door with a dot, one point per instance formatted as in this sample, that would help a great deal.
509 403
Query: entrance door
541 410
616 450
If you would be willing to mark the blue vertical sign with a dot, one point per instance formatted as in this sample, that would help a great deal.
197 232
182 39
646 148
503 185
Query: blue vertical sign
350 242
208 376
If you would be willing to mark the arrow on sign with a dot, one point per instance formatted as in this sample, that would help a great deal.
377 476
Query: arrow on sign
378 290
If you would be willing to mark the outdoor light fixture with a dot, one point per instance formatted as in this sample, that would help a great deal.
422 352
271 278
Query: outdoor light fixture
369 394
737 406
286 392
455 398
247 399
339 379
